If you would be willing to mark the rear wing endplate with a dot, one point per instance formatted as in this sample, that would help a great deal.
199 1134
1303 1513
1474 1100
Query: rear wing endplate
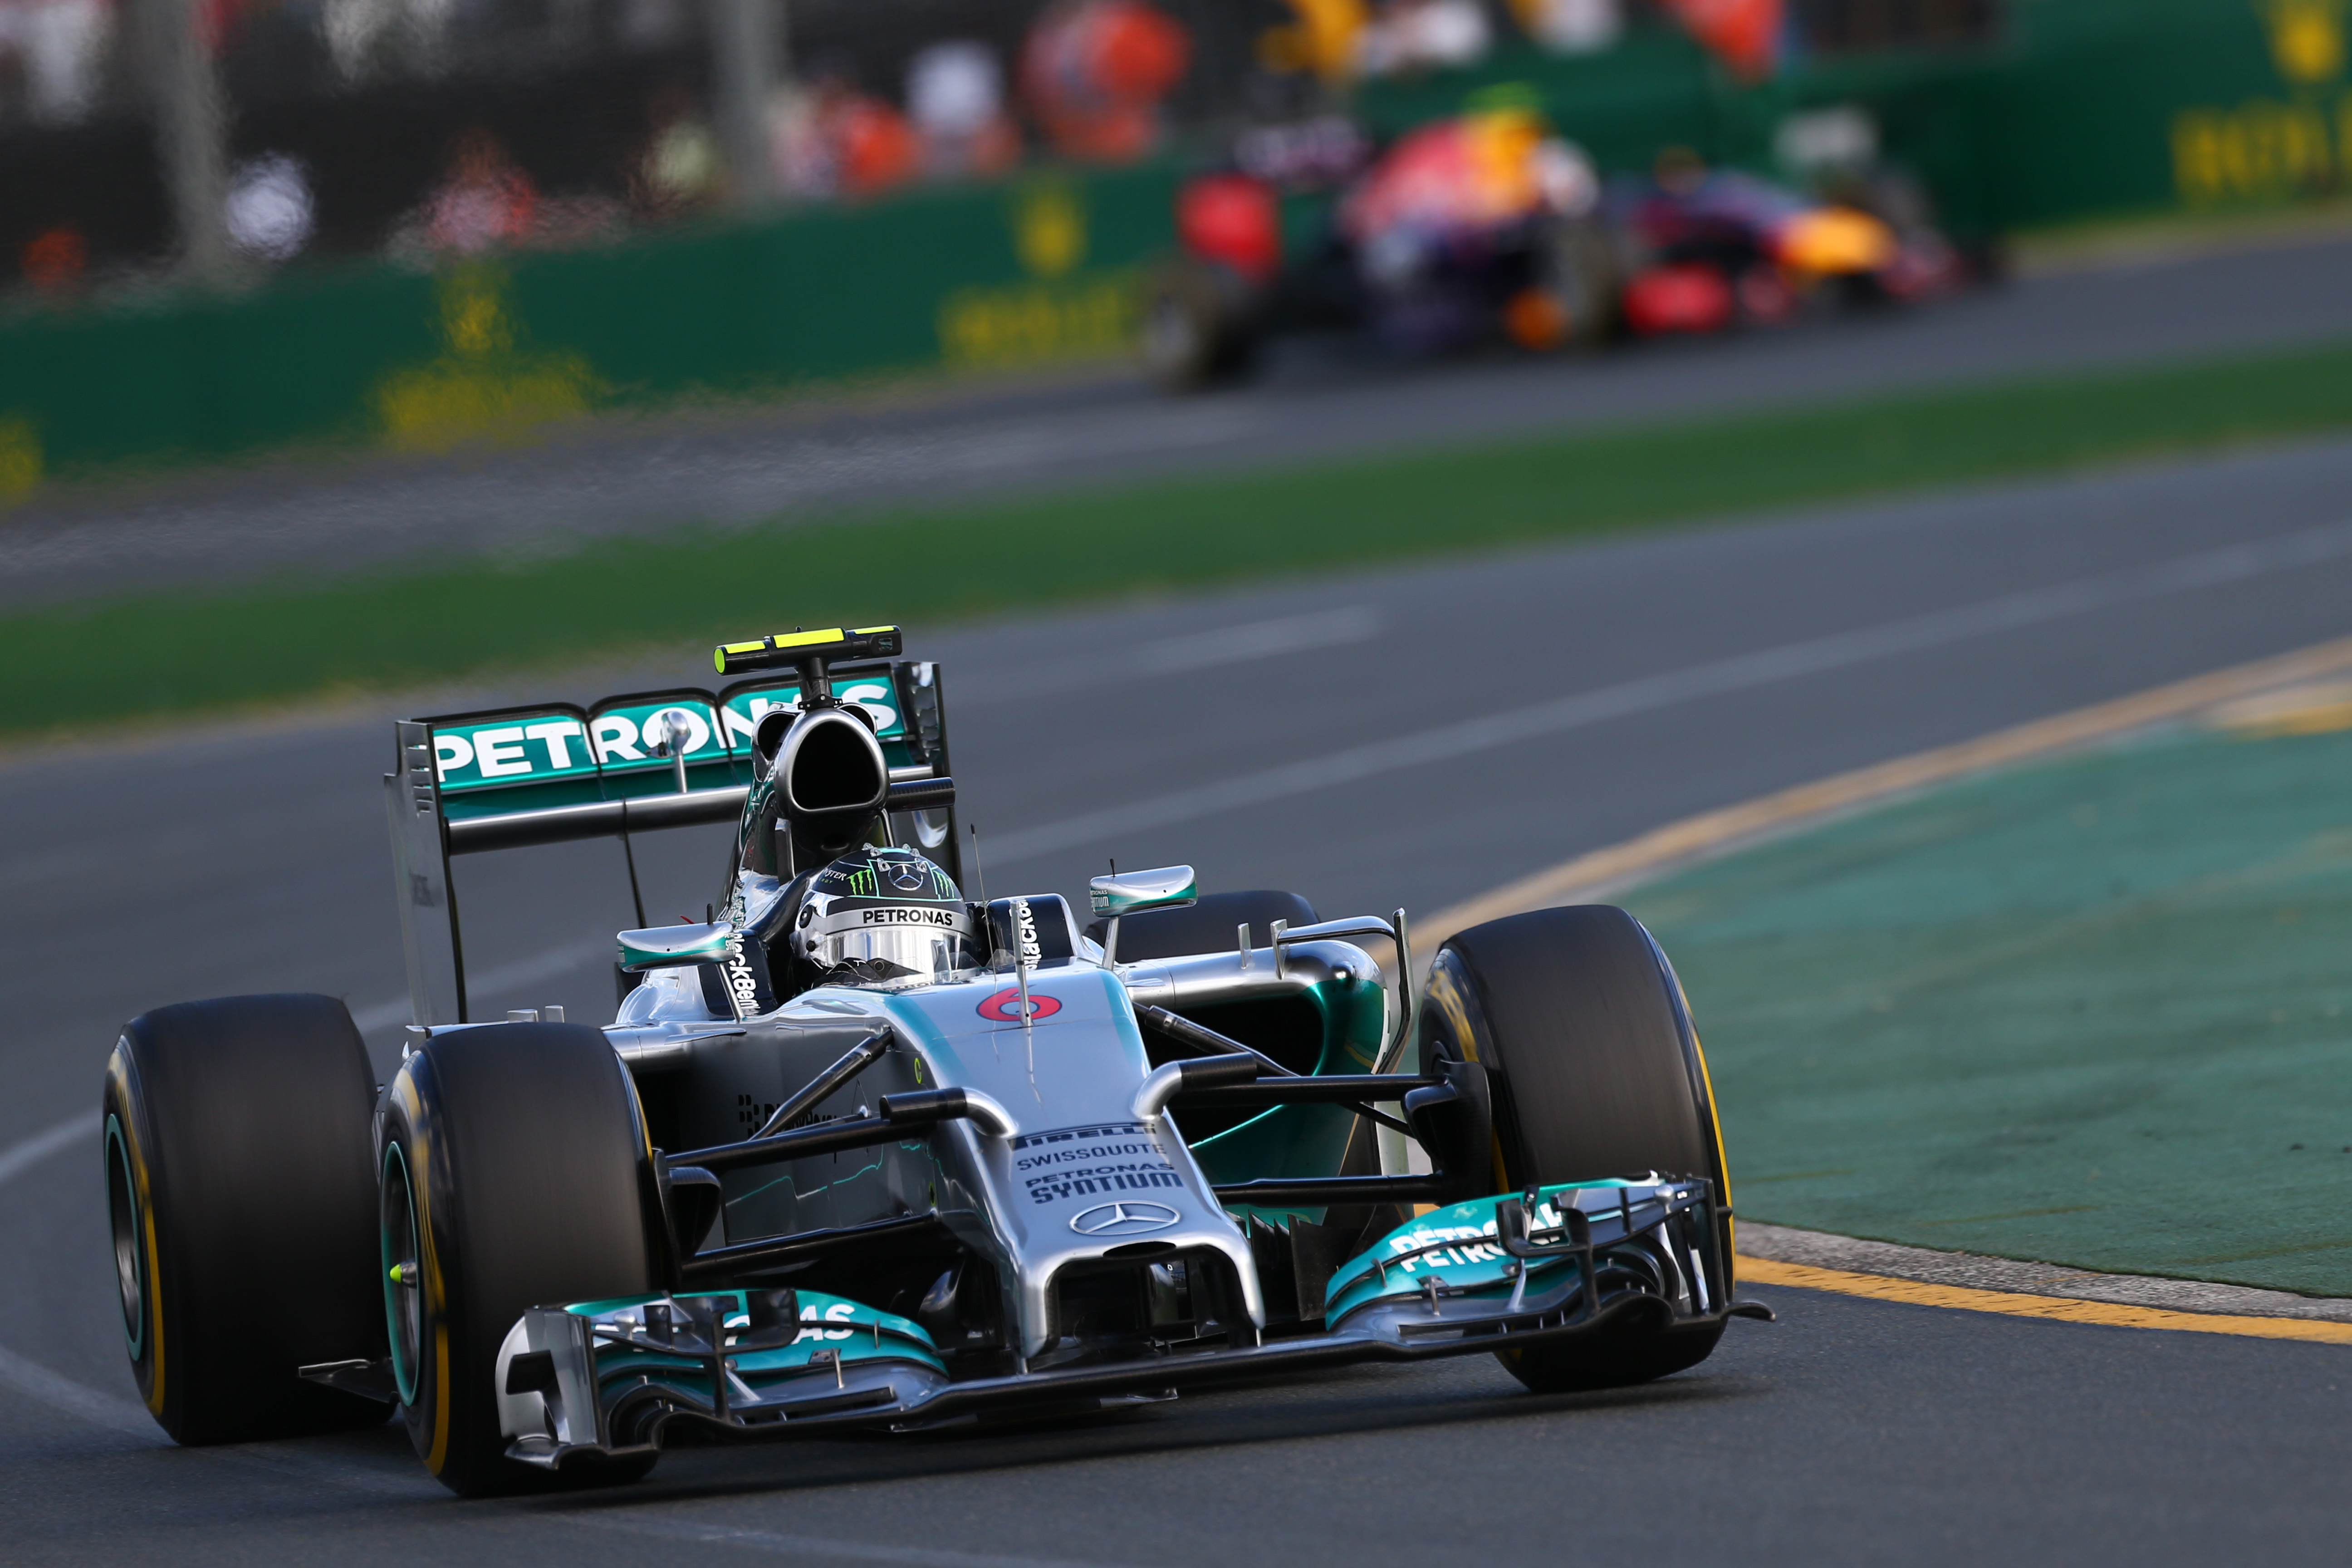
466 783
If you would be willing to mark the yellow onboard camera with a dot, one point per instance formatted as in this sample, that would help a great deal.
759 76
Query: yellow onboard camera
790 649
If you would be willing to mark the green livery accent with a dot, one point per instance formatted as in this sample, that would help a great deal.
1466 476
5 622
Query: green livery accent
649 953
521 748
1114 896
1466 1259
852 1329
625 736
1301 1139
526 748
403 1366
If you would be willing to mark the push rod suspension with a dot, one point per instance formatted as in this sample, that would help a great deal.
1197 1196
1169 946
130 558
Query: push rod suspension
856 1060
1202 1038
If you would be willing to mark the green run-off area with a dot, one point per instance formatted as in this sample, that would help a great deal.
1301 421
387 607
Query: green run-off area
163 654
2095 1012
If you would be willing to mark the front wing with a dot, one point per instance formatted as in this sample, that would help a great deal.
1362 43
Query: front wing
592 1383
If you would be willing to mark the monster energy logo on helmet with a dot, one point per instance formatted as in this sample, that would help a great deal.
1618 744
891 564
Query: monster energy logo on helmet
901 876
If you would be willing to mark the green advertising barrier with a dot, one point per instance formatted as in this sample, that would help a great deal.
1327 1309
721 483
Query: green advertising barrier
2117 104
2081 107
1037 271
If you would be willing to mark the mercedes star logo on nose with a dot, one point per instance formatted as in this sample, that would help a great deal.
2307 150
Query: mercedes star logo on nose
1124 1219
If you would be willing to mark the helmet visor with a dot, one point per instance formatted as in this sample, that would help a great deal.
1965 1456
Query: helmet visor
894 941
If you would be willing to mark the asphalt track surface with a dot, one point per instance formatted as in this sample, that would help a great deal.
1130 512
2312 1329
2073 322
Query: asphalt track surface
1407 737
620 477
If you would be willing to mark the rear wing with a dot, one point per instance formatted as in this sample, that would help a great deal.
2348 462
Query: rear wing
465 783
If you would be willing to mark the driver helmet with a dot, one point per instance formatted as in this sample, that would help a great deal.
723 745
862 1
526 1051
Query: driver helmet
885 914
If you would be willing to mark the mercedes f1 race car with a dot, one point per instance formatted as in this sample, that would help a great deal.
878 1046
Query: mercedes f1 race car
861 1153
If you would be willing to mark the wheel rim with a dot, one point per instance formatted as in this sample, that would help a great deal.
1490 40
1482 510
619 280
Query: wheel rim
130 1258
399 1254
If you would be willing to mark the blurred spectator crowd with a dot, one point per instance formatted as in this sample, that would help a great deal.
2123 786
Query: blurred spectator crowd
436 127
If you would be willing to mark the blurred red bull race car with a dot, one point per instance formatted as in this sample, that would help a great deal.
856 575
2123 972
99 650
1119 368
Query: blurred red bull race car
1706 249
1492 228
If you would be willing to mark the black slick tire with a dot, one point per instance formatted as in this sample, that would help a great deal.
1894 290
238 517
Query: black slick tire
235 1138
514 1172
1596 1073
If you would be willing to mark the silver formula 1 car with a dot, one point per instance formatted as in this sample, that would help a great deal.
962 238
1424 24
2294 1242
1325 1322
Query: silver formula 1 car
861 1154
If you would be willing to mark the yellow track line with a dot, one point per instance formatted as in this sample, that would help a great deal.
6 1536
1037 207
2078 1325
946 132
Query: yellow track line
1695 839
2068 1309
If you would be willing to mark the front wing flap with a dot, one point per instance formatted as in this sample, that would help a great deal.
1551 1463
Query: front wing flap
593 1381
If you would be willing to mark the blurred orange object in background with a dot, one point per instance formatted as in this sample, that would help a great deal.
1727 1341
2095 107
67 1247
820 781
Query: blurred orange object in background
1470 172
1536 319
55 259
1680 299
1234 219
1094 72
484 200
1745 33
876 147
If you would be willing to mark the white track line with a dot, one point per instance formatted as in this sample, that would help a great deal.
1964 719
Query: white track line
1741 672
20 1158
1181 655
1259 639
110 1411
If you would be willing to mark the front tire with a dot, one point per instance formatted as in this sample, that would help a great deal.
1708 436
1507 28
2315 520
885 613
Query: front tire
513 1174
234 1134
1596 1073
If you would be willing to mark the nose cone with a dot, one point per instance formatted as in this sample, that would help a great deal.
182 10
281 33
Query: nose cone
1830 241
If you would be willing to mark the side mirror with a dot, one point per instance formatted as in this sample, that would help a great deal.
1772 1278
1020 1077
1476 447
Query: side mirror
1168 887
1171 887
666 947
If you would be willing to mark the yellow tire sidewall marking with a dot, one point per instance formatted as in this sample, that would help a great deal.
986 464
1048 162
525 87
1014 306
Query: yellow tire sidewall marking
431 1287
118 1071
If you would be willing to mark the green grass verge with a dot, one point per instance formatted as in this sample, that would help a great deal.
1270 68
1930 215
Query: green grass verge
2092 1011
90 664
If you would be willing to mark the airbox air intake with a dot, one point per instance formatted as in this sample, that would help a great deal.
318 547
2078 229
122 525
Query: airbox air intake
830 762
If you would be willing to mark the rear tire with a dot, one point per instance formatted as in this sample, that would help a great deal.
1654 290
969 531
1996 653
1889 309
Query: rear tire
1596 1073
236 1135
514 1174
